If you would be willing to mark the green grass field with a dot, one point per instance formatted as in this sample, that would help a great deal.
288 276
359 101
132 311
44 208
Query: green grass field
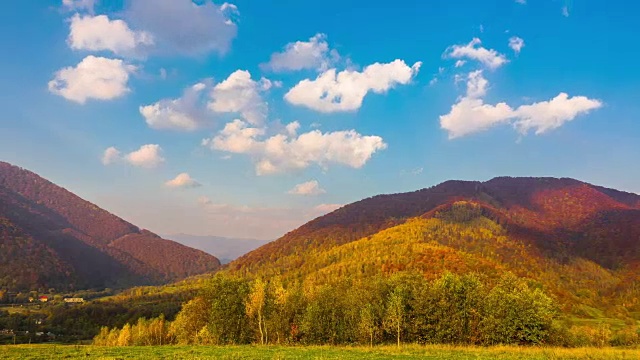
311 352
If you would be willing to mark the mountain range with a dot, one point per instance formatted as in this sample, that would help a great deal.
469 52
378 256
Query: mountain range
577 241
51 238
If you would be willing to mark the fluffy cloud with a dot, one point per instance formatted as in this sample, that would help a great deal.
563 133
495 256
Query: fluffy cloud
186 113
300 55
183 180
110 156
548 115
76 5
516 44
241 94
307 188
335 91
93 78
470 114
98 33
148 156
289 151
488 57
185 27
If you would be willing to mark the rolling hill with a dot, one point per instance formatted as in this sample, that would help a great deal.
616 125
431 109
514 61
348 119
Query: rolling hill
51 238
578 241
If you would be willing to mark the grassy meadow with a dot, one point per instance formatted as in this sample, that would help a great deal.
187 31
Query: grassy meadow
33 352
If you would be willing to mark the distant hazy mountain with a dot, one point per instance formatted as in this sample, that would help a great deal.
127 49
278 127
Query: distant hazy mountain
51 238
225 249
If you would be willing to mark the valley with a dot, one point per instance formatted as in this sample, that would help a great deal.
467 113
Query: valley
570 247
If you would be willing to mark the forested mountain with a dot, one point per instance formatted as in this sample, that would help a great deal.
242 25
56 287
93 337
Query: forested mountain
579 241
51 238
564 216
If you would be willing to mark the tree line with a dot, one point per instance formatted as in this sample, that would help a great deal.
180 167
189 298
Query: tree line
404 308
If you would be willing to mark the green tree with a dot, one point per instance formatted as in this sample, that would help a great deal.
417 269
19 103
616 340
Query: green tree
326 319
448 309
516 314
396 312
369 324
228 319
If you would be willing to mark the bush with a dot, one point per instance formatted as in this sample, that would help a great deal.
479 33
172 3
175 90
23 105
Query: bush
590 336
627 336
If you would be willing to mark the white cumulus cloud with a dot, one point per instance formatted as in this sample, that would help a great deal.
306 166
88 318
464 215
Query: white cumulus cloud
186 113
300 55
93 78
110 156
488 57
334 91
184 26
307 188
290 151
183 180
99 33
148 156
241 94
516 44
548 115
470 114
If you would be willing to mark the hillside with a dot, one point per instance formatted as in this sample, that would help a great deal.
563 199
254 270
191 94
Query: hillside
579 241
51 238
225 249
553 212
576 242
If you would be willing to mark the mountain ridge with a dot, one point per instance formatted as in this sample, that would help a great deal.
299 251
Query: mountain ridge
536 204
90 246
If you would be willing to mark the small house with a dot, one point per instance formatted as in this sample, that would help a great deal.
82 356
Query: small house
74 300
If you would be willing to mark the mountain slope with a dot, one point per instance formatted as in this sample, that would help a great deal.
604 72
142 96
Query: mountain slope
52 238
578 241
556 214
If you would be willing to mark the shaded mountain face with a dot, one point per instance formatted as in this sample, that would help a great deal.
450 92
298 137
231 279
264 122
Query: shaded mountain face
562 218
51 238
225 249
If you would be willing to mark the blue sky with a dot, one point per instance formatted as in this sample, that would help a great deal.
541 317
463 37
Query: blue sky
278 112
